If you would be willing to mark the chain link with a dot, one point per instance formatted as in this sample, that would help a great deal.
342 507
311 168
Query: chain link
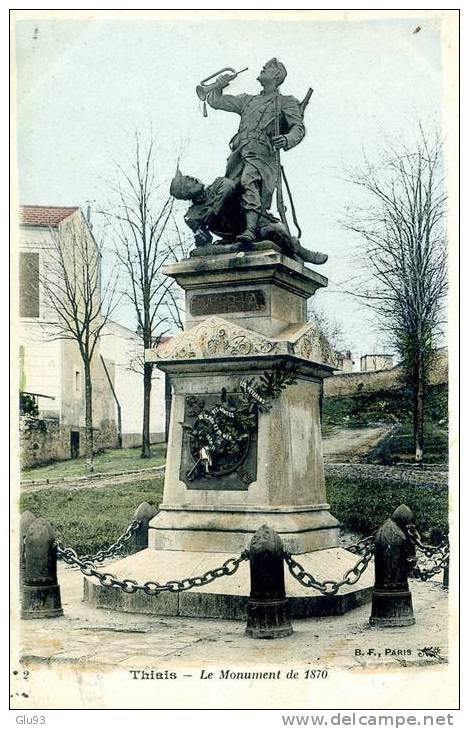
435 564
428 549
111 551
330 587
437 556
107 579
361 546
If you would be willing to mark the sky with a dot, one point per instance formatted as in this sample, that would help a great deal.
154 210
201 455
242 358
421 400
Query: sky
84 86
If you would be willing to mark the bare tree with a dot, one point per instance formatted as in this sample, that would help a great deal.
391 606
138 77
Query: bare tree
146 238
402 226
76 304
330 329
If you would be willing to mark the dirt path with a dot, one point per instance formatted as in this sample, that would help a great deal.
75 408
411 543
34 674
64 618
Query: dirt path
343 444
342 448
87 482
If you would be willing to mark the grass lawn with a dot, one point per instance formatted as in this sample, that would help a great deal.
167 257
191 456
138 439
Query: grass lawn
125 459
398 447
362 505
89 519
393 406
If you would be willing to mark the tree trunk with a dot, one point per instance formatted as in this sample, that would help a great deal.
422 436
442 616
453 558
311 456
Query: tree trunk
89 444
147 372
419 401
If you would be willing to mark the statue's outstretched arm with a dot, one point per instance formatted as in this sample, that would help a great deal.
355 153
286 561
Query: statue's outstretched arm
227 102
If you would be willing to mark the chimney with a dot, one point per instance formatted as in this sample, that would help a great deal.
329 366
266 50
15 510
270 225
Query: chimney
88 214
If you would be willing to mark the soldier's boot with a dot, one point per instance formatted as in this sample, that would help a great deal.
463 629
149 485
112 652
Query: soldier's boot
303 254
249 235
312 256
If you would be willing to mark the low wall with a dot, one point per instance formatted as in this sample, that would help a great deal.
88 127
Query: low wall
45 439
133 440
104 437
355 383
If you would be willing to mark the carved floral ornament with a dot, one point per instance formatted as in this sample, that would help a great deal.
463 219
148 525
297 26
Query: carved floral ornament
216 337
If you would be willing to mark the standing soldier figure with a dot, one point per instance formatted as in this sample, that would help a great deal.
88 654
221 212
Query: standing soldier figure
252 162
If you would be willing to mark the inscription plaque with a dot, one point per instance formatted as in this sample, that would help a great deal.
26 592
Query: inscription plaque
224 303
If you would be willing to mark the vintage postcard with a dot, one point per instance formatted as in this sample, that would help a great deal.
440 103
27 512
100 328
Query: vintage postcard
234 373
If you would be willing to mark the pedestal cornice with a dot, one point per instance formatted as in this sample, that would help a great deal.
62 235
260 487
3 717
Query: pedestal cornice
216 338
265 266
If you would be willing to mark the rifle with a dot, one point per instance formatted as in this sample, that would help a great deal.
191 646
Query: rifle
279 191
281 172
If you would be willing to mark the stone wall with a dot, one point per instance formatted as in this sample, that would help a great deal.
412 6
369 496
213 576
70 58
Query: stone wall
133 440
44 440
105 436
354 383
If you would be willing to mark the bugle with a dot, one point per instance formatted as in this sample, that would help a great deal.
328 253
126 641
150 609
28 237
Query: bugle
204 88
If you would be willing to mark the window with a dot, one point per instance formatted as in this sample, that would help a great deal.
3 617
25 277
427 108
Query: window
77 382
29 284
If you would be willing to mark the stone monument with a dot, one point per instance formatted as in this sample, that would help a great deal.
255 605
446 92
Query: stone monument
245 446
245 316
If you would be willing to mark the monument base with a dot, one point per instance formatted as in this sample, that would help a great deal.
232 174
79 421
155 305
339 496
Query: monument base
214 529
226 597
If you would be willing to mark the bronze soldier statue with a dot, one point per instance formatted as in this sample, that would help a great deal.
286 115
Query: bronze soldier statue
252 162
215 209
236 207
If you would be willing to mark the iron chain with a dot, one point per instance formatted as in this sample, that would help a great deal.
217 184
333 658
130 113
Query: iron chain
361 546
330 587
437 556
428 549
116 548
152 588
436 564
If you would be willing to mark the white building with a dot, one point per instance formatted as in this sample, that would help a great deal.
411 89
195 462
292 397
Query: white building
51 369
122 348
345 362
375 362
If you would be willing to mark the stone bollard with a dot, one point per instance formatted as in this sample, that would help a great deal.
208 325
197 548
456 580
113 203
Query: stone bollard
268 614
41 591
403 516
26 519
392 601
143 513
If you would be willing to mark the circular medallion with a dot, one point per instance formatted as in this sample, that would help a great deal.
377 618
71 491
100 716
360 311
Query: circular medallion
220 439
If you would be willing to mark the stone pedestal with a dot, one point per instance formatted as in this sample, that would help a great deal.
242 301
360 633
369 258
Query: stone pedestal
246 314
261 290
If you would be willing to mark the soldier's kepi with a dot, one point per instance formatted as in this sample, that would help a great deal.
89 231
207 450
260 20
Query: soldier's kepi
252 162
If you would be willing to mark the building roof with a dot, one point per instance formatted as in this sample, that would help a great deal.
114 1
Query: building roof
44 215
112 324
376 355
